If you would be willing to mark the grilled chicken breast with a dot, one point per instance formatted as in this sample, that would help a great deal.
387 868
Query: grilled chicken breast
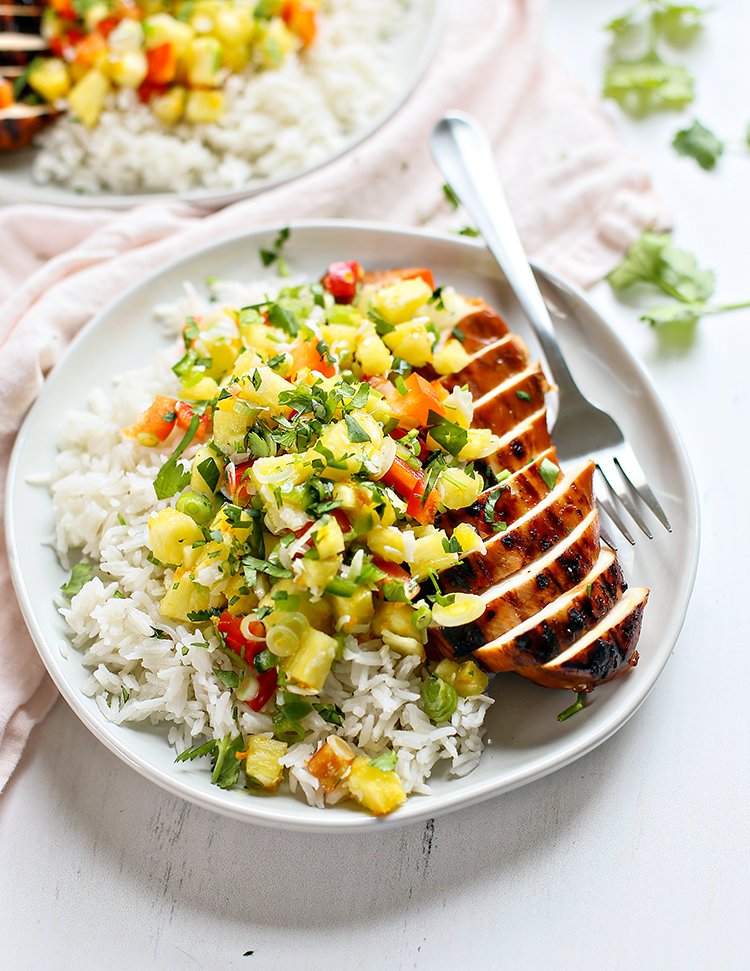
556 610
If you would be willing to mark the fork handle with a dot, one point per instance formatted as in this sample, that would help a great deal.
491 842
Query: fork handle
464 155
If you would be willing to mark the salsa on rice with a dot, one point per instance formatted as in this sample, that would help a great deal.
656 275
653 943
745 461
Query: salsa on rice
329 447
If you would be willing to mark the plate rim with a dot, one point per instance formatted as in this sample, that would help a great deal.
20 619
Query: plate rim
413 811
213 199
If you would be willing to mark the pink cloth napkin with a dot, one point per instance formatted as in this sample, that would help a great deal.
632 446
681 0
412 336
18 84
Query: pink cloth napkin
579 198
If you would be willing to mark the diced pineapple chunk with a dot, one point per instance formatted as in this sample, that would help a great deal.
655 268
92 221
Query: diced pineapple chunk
331 762
399 302
387 542
230 427
458 489
316 574
127 36
169 532
467 679
411 341
372 353
198 482
262 387
183 597
50 78
86 98
128 69
353 613
328 538
170 106
308 667
262 766
162 28
203 390
394 617
451 358
204 107
276 44
203 56
378 791
468 537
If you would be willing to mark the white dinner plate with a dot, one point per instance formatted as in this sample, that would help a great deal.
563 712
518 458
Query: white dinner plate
408 56
524 739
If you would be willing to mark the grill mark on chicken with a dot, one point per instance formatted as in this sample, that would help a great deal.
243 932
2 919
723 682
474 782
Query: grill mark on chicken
545 524
516 496
512 401
602 654
521 595
490 366
517 448
554 629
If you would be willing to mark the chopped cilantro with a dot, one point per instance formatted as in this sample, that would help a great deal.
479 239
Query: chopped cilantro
230 678
171 477
357 434
549 473
385 762
79 577
699 143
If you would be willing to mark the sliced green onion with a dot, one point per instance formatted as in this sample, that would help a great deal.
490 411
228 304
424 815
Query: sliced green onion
440 699
197 506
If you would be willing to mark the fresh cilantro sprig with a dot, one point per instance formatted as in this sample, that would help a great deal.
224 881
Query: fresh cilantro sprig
647 82
699 143
653 260
172 478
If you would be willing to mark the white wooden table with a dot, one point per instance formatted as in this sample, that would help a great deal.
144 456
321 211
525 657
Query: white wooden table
636 856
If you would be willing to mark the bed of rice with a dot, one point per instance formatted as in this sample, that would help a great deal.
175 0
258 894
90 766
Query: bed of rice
103 496
276 122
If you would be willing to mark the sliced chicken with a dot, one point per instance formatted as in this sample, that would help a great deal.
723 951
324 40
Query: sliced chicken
532 535
605 652
481 327
517 448
512 401
490 366
553 630
505 502
523 594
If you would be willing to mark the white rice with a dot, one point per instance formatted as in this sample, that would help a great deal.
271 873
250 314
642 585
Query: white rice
276 123
103 496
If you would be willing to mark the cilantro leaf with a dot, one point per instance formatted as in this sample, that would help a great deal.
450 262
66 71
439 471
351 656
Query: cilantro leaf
447 434
226 768
648 84
284 319
357 434
699 143
330 713
653 259
79 577
385 762
549 473
207 748
230 678
171 477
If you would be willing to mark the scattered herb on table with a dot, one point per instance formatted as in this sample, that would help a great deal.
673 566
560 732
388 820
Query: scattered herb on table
699 143
653 260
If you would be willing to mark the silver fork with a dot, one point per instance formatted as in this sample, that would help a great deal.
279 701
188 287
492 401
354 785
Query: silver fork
464 155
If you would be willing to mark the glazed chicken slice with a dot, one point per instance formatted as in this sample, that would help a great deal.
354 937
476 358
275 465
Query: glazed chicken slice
505 502
490 366
525 593
553 630
512 401
508 551
605 652
517 448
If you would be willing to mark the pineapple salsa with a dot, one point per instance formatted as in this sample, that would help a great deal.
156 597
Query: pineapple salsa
176 54
308 515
